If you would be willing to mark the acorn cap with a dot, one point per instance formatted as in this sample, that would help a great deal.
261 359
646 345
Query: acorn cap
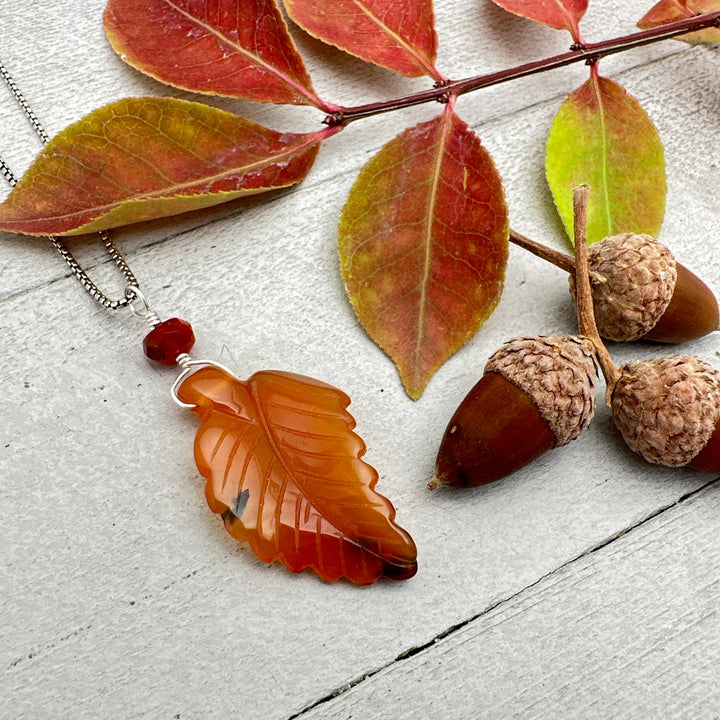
666 409
633 280
558 373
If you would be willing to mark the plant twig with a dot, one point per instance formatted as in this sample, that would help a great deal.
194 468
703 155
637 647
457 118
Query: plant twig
583 292
588 52
562 260
559 259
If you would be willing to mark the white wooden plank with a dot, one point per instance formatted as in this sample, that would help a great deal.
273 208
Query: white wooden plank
628 631
120 590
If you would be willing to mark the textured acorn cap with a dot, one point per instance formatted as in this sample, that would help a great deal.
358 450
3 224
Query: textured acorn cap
666 409
633 279
558 373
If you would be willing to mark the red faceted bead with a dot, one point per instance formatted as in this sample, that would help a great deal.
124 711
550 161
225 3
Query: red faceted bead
167 340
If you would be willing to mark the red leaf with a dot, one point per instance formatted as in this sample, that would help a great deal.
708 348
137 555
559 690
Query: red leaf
283 470
396 34
143 158
667 11
559 14
239 48
423 245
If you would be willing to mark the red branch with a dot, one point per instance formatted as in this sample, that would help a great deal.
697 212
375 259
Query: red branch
588 52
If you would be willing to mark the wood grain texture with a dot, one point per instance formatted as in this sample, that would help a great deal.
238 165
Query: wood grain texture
122 595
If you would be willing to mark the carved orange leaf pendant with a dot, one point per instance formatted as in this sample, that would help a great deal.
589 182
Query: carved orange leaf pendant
283 470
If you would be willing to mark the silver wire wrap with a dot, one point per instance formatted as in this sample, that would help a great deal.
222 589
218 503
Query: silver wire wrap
135 297
188 366
91 288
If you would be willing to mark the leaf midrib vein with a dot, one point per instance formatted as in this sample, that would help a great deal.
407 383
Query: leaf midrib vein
275 443
604 147
447 117
398 39
175 190
566 13
251 57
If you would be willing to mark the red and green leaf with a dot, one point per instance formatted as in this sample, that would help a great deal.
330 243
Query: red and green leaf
284 470
667 11
144 158
602 136
558 14
237 48
423 245
395 34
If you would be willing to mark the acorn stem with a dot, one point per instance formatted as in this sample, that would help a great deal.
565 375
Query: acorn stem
560 259
583 291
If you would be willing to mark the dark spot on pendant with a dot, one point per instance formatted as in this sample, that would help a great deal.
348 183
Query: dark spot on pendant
392 568
236 511
399 570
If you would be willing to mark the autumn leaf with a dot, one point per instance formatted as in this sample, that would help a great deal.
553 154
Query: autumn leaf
423 245
667 11
558 14
395 34
602 137
238 48
283 470
143 158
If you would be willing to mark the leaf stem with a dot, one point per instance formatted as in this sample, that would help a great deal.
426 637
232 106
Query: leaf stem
587 52
583 291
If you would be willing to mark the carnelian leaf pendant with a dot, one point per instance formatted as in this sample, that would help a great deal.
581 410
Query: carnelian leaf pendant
284 472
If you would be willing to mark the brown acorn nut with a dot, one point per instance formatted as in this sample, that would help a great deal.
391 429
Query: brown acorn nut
641 291
536 394
668 409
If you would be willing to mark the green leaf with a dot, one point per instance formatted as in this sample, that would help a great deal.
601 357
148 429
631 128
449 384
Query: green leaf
144 158
423 245
602 136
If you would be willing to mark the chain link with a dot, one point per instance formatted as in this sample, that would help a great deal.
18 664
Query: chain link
92 289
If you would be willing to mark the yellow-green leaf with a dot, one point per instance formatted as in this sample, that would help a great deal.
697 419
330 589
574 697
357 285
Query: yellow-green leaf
602 136
144 158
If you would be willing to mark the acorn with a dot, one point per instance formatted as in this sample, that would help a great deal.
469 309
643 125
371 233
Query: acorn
668 410
640 290
536 393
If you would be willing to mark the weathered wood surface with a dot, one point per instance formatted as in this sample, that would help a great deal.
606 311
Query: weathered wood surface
122 596
627 630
